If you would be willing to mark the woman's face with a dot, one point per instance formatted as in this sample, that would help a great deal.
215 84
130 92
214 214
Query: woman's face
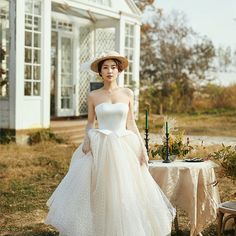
109 71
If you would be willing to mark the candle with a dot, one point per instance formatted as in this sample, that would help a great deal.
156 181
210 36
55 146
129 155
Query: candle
146 119
167 131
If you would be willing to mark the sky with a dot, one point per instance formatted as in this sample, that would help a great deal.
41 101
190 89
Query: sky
213 18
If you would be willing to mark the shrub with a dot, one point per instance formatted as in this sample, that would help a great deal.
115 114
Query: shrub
6 136
43 135
226 156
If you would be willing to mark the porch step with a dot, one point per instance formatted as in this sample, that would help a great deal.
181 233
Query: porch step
71 130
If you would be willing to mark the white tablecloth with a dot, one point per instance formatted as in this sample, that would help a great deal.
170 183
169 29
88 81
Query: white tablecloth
189 186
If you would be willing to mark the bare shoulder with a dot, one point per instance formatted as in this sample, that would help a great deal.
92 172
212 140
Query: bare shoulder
128 92
92 95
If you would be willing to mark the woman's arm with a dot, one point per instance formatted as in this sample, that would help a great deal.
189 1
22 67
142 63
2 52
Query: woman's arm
90 124
131 125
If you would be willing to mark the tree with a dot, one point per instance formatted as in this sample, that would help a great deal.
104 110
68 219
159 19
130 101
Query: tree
234 59
225 58
174 59
142 4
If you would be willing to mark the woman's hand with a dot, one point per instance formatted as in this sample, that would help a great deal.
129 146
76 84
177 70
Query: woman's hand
86 147
91 119
143 160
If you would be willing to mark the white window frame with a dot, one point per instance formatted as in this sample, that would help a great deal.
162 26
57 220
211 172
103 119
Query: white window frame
129 48
33 65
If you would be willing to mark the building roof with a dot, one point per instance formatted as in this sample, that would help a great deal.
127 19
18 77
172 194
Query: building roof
85 8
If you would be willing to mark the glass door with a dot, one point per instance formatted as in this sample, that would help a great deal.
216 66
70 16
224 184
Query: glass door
54 72
65 84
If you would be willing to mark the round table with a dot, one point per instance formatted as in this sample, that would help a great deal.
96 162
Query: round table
190 186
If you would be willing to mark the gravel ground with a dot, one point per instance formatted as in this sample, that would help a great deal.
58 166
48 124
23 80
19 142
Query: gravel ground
200 140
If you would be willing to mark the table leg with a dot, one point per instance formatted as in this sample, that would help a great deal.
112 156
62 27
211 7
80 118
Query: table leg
219 221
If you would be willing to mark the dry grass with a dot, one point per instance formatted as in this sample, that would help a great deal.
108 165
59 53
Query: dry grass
29 174
204 124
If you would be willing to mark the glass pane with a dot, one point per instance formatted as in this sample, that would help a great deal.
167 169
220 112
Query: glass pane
63 68
70 92
67 80
126 79
28 38
28 55
4 47
64 92
131 56
66 68
54 24
37 7
66 49
130 77
66 73
131 45
126 42
130 67
36 73
37 23
131 42
28 88
54 42
62 103
131 30
69 103
70 27
127 29
28 22
28 6
36 89
65 103
37 40
127 53
36 56
60 25
28 71
63 80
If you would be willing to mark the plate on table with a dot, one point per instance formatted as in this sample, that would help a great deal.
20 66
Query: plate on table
193 160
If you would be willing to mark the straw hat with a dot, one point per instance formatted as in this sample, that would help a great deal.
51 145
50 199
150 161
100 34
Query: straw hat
106 56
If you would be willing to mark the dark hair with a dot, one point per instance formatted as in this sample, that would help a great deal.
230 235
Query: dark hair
118 64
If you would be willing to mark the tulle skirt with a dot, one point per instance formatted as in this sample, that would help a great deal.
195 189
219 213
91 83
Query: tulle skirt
107 193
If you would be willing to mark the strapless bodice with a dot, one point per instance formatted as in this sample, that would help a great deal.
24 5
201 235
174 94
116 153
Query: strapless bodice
112 117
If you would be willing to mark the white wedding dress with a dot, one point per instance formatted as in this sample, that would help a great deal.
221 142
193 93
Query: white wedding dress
106 192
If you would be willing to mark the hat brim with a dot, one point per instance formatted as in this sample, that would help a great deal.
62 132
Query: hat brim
124 62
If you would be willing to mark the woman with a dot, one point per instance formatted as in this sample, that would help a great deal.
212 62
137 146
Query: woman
108 190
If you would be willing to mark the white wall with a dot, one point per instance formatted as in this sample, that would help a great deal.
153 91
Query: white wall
122 6
30 111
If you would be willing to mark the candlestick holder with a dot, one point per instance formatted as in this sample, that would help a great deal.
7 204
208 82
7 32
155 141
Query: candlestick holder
167 160
147 142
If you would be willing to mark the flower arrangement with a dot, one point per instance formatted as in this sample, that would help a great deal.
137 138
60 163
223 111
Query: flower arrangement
177 147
